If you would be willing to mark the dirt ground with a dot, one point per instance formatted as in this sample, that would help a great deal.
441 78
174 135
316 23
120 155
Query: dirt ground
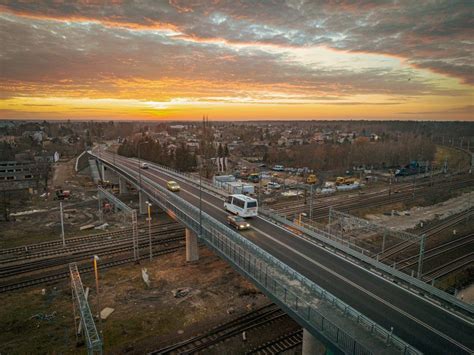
144 318
467 294
36 217
411 218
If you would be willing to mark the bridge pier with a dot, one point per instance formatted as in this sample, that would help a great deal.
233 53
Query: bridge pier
123 189
142 202
311 345
101 170
192 251
111 175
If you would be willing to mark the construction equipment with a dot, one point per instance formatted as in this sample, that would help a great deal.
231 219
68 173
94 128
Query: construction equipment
61 194
345 180
312 179
106 207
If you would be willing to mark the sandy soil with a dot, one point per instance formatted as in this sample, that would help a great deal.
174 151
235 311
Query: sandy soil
412 218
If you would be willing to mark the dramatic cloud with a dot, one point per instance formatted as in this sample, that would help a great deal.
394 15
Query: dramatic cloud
239 52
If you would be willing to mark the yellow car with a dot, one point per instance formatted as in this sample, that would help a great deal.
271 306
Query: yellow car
172 186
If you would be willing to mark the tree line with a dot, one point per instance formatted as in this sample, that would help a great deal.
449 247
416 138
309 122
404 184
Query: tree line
180 158
381 154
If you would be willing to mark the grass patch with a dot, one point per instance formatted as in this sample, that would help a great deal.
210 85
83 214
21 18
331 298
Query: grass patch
456 158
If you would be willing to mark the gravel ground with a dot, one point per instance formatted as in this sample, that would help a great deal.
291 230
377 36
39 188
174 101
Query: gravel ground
412 218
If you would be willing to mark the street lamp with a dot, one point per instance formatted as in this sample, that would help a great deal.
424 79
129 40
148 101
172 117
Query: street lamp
149 228
96 272
200 198
62 223
298 220
139 166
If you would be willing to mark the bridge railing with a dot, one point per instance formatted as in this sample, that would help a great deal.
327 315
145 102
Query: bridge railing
328 240
300 297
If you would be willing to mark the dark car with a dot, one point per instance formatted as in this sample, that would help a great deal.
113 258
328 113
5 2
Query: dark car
238 222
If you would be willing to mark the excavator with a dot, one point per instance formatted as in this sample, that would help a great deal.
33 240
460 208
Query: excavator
312 179
345 180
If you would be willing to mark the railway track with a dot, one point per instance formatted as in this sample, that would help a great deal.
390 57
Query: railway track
279 345
28 249
106 249
62 274
321 208
72 249
259 317
429 232
440 250
449 267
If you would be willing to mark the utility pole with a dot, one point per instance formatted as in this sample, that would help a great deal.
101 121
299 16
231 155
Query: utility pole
200 199
139 166
96 272
149 229
62 223
311 203
390 188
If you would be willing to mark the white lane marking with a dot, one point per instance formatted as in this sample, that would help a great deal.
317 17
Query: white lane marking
340 277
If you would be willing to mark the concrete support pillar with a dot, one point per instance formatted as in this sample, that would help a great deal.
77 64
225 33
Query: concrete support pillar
142 198
112 176
102 171
122 186
311 345
192 251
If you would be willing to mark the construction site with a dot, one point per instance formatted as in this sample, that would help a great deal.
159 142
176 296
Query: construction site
151 298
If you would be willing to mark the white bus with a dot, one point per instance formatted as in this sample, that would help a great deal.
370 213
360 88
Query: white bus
241 205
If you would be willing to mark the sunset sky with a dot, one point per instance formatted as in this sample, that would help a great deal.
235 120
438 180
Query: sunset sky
237 60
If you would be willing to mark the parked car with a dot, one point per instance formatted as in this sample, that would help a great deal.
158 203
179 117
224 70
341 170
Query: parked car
173 186
273 185
278 168
144 165
238 222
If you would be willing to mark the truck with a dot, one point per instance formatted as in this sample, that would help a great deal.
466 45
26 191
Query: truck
415 167
254 177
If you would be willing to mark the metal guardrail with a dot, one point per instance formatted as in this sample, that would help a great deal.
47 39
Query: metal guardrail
299 296
419 286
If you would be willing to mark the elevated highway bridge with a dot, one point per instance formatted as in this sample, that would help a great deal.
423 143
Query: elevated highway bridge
392 319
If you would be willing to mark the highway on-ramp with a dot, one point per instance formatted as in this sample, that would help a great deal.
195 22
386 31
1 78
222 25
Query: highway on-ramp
428 327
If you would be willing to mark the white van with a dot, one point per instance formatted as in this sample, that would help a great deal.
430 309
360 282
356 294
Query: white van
241 205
